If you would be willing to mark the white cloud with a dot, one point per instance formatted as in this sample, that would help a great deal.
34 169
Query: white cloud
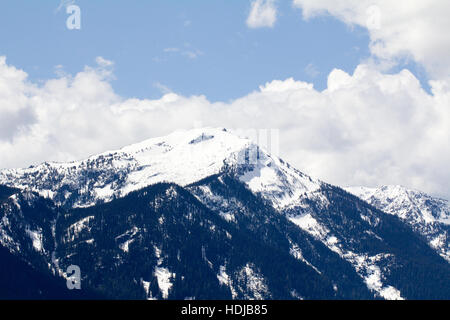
411 29
311 70
187 51
171 50
263 13
192 54
163 88
104 63
366 128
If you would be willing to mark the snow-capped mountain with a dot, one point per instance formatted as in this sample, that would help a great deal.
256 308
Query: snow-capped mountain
183 157
154 214
427 215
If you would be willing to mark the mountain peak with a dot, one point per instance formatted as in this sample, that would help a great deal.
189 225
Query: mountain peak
183 137
182 157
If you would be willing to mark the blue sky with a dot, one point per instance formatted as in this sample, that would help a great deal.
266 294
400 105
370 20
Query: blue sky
191 47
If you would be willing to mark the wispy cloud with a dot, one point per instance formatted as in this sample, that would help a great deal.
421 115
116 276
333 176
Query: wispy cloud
63 4
163 88
102 62
312 71
171 50
187 50
263 13
192 54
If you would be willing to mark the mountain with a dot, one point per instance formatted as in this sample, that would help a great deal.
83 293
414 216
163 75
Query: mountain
205 214
161 242
427 215
182 157
381 249
24 273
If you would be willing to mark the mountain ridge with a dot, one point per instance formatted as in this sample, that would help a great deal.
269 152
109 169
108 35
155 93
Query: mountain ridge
183 157
427 215
227 183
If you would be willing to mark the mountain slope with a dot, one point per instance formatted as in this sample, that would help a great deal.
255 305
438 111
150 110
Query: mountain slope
143 221
26 246
384 252
26 222
217 239
20 281
427 215
162 243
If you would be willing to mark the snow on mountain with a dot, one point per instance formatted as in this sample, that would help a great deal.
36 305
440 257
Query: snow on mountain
368 267
406 203
187 157
427 215
278 182
182 157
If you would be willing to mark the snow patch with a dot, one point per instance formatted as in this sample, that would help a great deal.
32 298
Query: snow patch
79 226
124 246
223 277
308 223
36 238
164 276
365 266
296 252
252 283
228 216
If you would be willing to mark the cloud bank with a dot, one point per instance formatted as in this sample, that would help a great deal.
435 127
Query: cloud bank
366 128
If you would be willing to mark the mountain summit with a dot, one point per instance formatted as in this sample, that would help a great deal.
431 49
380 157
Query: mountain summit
183 157
205 214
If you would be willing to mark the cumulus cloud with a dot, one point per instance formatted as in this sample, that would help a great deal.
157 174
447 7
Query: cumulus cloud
403 29
263 13
16 114
366 128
